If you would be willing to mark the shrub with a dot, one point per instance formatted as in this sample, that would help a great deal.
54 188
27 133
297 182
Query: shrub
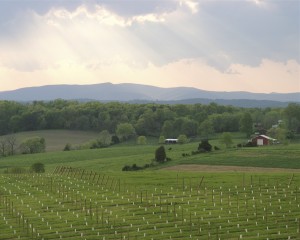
216 148
160 154
126 168
147 165
38 167
185 154
67 147
115 139
135 167
204 146
250 144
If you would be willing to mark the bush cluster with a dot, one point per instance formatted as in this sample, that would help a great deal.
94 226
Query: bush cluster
204 146
160 157
135 167
248 144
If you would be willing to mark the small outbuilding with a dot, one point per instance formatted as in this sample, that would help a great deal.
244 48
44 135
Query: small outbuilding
262 140
171 140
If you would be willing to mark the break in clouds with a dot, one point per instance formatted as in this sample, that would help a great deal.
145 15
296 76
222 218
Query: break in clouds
250 45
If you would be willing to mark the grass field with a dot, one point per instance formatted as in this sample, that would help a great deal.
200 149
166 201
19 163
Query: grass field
98 201
57 139
114 158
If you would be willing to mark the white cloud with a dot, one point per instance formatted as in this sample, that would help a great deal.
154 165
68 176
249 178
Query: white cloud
191 4
101 15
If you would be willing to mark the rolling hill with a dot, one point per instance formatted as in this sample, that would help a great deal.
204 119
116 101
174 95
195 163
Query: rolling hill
136 92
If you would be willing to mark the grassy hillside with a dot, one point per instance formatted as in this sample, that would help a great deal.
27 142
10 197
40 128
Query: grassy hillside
57 139
114 158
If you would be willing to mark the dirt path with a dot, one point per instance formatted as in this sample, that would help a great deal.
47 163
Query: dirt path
210 168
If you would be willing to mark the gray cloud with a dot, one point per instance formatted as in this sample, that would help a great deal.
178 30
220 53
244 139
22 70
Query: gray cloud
220 33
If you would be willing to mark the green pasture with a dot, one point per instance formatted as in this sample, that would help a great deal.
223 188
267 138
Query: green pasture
57 139
112 159
96 200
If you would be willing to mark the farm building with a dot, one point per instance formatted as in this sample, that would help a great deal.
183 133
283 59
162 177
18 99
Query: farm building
171 140
262 140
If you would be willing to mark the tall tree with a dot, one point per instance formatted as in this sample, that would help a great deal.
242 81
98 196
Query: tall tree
104 138
226 139
11 142
125 131
246 124
3 147
167 129
160 154
206 129
292 114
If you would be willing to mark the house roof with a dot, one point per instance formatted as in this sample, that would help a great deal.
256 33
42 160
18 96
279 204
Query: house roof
266 137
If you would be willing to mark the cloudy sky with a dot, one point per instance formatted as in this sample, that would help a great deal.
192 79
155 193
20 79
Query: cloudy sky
222 45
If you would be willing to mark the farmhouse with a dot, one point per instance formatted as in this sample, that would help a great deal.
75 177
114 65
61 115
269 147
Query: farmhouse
262 140
171 140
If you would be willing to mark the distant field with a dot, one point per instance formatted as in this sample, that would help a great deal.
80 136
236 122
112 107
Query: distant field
57 139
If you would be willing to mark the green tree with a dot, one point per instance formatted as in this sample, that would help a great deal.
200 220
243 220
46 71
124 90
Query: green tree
160 154
189 127
292 114
12 143
141 140
3 147
161 139
279 133
182 138
204 146
125 131
33 145
246 124
271 118
226 139
104 138
147 124
38 167
167 129
206 129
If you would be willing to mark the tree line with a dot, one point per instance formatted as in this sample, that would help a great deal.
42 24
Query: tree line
143 119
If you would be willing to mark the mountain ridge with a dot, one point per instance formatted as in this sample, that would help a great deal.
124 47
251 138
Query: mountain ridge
133 92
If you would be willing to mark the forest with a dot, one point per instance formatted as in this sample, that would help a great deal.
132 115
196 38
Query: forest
145 119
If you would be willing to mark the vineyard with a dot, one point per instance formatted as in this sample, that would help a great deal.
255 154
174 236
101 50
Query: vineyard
74 203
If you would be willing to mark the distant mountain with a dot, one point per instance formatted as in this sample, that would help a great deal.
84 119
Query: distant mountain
134 92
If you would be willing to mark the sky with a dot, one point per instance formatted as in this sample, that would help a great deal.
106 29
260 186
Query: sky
216 45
